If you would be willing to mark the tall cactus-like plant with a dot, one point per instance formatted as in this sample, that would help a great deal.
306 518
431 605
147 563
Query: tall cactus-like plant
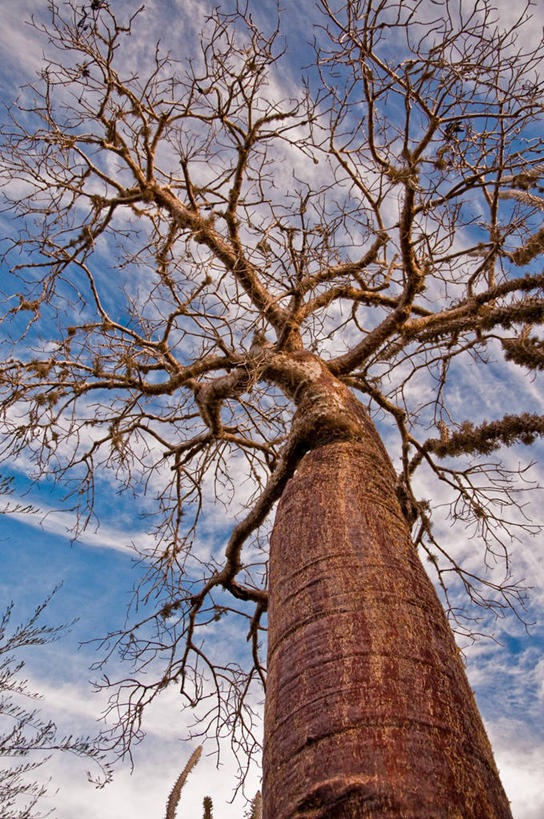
208 808
256 807
175 793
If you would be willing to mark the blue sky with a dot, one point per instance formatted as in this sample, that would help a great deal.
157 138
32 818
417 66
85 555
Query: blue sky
99 573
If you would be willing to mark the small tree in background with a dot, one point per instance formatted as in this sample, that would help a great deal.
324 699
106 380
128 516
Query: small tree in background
24 735
221 280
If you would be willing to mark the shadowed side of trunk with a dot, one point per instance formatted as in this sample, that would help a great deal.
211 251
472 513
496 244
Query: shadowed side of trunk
368 709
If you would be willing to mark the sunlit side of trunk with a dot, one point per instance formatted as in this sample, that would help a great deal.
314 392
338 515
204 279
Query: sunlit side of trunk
368 709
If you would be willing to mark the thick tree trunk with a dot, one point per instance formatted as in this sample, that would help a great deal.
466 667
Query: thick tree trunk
368 709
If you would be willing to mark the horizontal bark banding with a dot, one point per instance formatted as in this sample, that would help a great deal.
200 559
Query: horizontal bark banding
368 710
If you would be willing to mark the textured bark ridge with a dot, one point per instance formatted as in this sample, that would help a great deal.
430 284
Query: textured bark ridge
368 709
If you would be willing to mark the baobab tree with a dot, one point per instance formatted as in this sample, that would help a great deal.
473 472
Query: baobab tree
225 278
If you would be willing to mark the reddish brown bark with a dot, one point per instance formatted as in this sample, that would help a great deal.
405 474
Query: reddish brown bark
368 709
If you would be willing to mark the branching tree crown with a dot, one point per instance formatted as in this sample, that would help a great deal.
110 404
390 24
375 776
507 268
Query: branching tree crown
212 261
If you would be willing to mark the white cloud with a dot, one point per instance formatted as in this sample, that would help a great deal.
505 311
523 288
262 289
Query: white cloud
57 522
143 793
521 766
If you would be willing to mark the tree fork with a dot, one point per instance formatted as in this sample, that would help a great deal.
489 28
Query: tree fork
368 708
